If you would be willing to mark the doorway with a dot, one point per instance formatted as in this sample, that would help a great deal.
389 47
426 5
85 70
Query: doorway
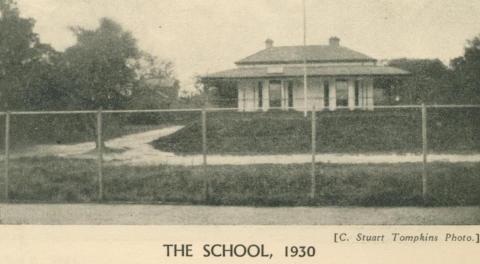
275 89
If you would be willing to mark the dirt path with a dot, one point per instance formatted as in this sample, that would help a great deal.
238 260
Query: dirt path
101 214
158 158
137 151
131 145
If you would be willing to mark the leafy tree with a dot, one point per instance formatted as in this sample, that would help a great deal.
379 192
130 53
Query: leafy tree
429 82
97 72
148 66
24 61
219 93
102 70
157 86
98 69
466 71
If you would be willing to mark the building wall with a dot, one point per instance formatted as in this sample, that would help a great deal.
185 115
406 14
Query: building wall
248 94
314 94
333 94
370 95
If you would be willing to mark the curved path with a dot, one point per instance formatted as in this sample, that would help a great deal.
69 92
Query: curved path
137 151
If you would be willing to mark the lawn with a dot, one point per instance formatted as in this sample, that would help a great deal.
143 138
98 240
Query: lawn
71 180
449 130
26 131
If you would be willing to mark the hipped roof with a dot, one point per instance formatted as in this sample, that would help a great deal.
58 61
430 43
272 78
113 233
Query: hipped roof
296 71
313 53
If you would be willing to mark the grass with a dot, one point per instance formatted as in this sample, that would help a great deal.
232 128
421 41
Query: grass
70 129
449 130
67 180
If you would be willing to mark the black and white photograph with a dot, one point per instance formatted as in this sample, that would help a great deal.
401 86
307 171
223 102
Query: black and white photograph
247 112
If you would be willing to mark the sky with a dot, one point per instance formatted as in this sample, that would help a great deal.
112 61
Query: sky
204 36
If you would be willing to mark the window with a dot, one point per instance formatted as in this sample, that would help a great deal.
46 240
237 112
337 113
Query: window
260 94
326 93
357 92
275 94
342 93
290 94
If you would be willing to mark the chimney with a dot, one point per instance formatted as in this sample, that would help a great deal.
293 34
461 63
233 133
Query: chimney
334 42
268 44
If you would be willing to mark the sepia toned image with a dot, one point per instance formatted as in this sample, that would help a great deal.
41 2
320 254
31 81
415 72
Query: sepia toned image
207 112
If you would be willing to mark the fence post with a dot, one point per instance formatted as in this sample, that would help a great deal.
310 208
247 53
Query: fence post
204 152
314 152
100 154
425 152
7 155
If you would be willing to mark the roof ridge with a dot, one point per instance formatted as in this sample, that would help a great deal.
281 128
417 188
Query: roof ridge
316 66
310 45
301 46
314 53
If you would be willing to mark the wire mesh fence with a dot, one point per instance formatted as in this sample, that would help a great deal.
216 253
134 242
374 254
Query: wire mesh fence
394 155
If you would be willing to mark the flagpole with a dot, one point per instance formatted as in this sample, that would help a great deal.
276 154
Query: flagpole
305 94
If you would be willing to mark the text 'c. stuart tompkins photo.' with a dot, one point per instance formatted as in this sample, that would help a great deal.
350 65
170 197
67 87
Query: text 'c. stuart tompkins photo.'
291 112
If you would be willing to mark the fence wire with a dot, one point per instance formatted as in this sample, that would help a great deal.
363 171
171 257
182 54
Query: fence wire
114 155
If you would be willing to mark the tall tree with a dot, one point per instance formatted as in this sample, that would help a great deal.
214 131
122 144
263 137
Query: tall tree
24 61
98 72
99 68
467 73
